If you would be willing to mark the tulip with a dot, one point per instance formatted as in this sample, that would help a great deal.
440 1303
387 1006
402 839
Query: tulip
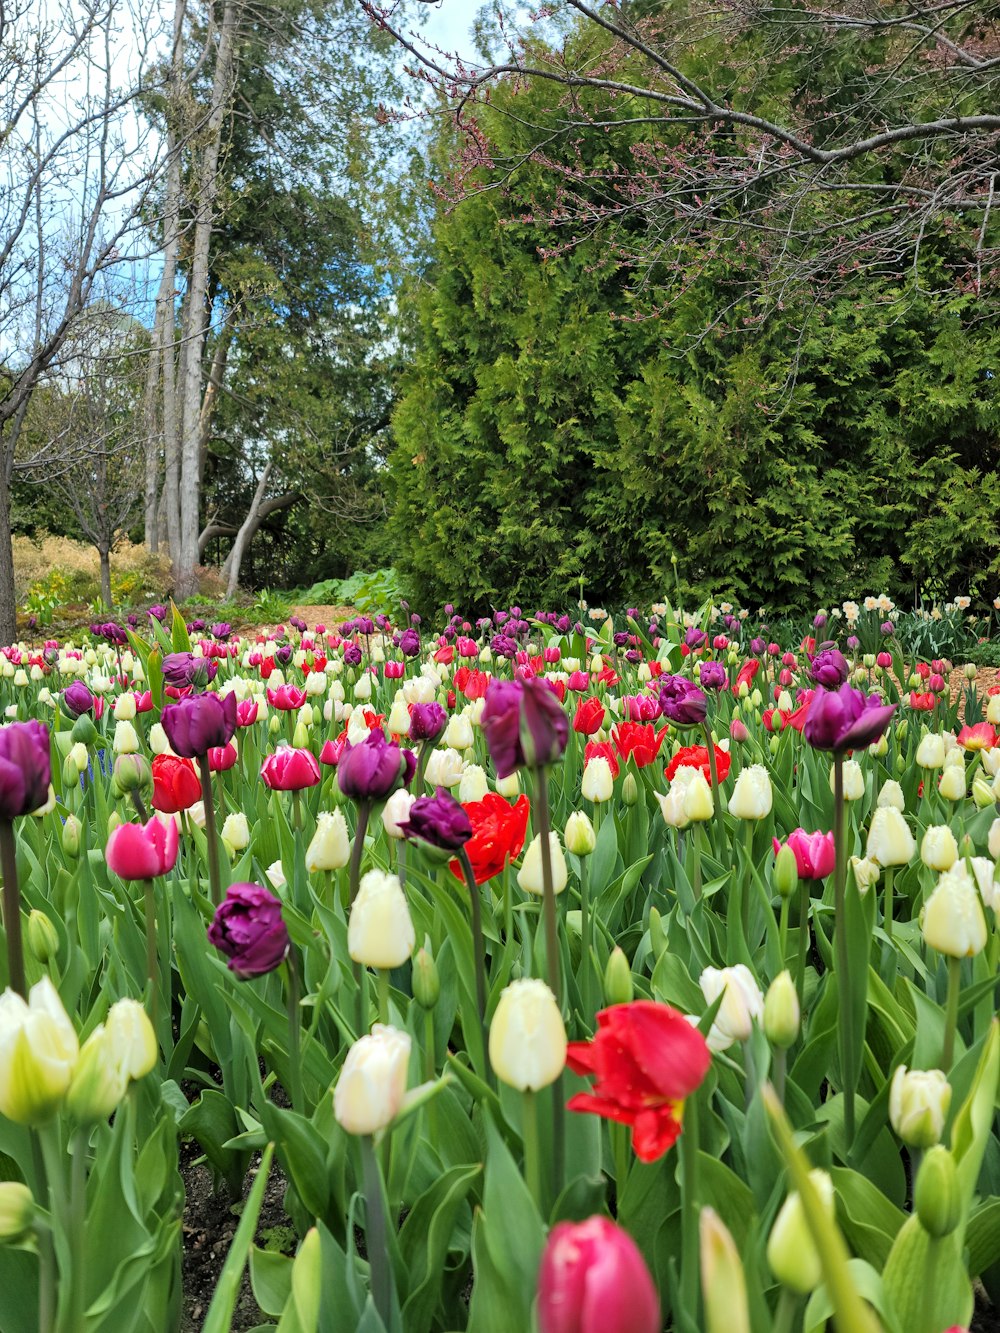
918 1105
530 875
236 832
890 841
373 769
938 848
99 1081
372 1083
527 1043
953 922
854 780
865 871
176 785
594 1280
289 769
524 724
425 981
25 768
398 721
428 722
814 853
681 701
672 805
844 719
791 1250
579 834
952 786
200 723
782 1014
930 751
330 847
396 812
509 786
76 699
38 1052
131 1037
248 929
474 784
17 1211
439 821
379 931
598 780
742 1004
752 796
619 988
142 851
698 803
444 768
43 939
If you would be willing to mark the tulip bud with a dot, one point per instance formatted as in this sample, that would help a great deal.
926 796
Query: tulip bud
854 780
131 772
936 1195
473 786
971 670
79 757
791 1250
630 790
99 1082
938 848
38 1051
786 872
158 742
530 875
598 782
509 787
579 834
890 841
379 931
71 832
900 764
698 803
131 1037
372 1082
993 710
330 848
70 772
952 784
124 709
982 794
236 832
742 1003
865 871
527 1038
618 985
657 935
879 747
17 1211
84 730
952 921
43 940
918 1105
930 751
114 819
425 981
891 796
782 1015
723 1282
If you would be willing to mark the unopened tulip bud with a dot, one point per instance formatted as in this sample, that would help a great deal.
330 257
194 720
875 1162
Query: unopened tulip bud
891 795
937 1198
791 1250
158 742
930 751
474 784
854 780
579 834
132 772
952 784
125 740
900 764
723 1282
880 747
300 736
71 831
372 1082
938 848
131 1037
786 872
918 1105
124 709
630 790
70 772
598 783
530 875
982 794
657 934
782 1015
425 981
17 1211
865 871
993 710
396 812
330 848
618 984
79 757
38 1052
527 1038
509 787
993 841
236 832
99 1083
379 931
953 922
698 803
890 841
114 819
43 939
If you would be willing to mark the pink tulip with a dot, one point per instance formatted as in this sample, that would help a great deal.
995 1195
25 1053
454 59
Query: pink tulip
332 750
142 851
221 758
289 769
814 853
246 712
143 701
594 1280
579 682
738 730
286 697
394 670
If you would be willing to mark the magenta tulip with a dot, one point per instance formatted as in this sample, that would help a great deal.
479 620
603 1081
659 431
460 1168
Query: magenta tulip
142 851
594 1280
814 853
289 769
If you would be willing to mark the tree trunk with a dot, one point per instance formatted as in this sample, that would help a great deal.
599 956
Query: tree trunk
8 596
186 556
105 555
259 510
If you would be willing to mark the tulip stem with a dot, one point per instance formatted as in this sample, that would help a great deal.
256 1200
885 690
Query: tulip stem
783 930
139 805
77 1220
376 1236
353 879
690 1248
847 1054
784 1316
382 980
552 962
214 878
748 833
778 1069
12 909
800 970
586 925
696 858
951 1011
479 949
294 1033
152 955
532 1154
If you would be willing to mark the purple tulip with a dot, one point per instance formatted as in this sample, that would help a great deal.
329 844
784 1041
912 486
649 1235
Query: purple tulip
438 820
409 643
713 676
695 637
183 669
682 702
427 722
25 768
248 929
374 768
283 655
352 654
819 621
829 668
757 645
221 630
887 627
77 699
200 723
524 724
845 719
157 612
853 642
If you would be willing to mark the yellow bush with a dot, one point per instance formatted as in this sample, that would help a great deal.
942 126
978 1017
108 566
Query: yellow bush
71 570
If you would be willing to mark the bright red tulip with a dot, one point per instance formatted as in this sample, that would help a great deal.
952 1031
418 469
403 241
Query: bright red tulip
696 756
498 830
176 784
589 716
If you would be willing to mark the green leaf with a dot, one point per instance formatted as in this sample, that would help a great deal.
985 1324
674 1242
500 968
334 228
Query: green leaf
271 1279
220 1312
424 1242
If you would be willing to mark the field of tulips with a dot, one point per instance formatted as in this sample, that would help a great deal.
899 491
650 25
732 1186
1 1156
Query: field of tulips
604 977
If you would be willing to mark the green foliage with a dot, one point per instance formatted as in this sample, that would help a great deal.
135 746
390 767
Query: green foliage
542 437
372 593
270 605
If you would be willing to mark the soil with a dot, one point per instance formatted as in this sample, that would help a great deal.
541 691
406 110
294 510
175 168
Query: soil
330 616
210 1222
986 677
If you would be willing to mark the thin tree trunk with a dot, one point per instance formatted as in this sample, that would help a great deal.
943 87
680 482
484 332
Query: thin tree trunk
105 555
170 505
186 558
242 539
8 597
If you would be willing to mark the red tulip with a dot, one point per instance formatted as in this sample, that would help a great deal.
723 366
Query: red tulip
979 737
589 716
696 756
602 750
498 830
646 1059
289 769
640 740
142 851
176 784
594 1280
221 758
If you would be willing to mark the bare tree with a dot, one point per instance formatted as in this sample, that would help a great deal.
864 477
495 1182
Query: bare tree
816 140
77 163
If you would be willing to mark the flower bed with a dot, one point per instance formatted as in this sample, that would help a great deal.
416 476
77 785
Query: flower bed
631 976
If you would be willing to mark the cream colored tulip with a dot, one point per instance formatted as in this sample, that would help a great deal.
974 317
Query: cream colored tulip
527 1041
530 875
380 932
372 1083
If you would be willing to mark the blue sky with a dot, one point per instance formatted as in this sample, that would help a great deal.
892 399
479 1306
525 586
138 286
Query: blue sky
449 24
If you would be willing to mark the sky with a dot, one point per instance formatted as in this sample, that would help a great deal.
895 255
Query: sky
449 25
